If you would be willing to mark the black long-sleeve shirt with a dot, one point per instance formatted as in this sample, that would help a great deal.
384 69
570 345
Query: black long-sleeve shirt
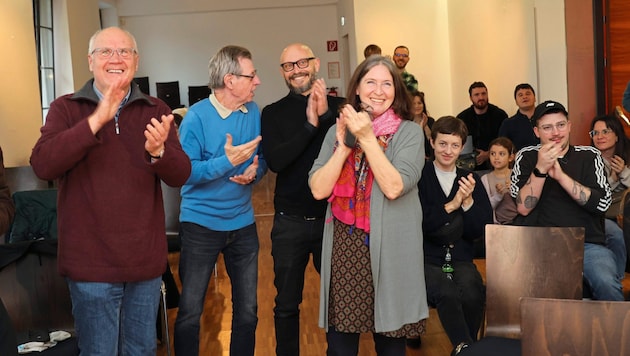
436 218
290 145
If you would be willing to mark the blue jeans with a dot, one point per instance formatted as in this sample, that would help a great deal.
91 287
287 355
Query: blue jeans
293 240
116 318
616 243
600 273
199 252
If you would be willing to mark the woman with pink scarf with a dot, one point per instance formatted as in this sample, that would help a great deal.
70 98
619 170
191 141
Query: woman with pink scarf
372 258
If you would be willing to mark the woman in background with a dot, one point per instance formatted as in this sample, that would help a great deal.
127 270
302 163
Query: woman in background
608 137
372 258
422 118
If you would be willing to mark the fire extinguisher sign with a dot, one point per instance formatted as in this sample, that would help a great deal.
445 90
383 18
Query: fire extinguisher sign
332 46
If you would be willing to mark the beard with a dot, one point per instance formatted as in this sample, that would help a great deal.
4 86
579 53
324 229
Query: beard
301 89
482 104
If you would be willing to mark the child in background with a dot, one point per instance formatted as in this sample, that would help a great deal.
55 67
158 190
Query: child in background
497 182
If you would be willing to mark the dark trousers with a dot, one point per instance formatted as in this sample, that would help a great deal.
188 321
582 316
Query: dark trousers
8 340
347 344
200 249
459 302
293 240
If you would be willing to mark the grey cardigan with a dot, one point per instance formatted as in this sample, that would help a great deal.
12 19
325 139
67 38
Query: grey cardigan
396 253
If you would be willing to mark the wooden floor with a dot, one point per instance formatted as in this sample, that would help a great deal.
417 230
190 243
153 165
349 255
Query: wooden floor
217 316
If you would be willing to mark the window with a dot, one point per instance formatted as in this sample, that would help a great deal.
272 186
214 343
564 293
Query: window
43 20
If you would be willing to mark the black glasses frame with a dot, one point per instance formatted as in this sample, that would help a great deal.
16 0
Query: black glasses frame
300 63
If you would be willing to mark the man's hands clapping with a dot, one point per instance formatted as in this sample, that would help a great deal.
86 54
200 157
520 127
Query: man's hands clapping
240 154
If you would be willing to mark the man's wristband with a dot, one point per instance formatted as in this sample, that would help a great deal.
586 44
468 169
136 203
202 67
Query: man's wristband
158 156
539 174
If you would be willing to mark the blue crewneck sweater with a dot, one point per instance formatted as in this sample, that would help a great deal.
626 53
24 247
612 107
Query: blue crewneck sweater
209 198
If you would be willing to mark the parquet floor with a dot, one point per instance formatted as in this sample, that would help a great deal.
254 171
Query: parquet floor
217 316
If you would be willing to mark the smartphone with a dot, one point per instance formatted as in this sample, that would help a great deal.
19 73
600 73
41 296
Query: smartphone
350 140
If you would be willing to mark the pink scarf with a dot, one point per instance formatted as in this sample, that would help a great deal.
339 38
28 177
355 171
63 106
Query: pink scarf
350 198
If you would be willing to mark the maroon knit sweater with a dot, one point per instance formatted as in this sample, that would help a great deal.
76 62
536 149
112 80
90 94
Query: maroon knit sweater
110 209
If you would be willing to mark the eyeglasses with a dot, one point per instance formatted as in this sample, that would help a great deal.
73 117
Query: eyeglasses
602 132
250 76
403 55
109 52
560 126
301 63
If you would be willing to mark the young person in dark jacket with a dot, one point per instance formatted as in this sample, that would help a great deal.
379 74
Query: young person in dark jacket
455 210
109 146
291 142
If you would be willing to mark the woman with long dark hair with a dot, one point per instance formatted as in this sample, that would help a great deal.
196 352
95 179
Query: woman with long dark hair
608 137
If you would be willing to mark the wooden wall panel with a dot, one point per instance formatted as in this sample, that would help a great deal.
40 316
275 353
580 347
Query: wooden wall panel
582 94
618 49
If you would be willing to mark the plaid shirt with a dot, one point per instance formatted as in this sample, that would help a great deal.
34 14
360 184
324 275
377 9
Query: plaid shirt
410 81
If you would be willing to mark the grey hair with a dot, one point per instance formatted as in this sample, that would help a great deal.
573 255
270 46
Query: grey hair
93 39
224 62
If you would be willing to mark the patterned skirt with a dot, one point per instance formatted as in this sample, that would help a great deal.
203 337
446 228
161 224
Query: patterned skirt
351 306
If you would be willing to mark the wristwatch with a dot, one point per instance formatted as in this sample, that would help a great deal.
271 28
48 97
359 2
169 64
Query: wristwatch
158 156
539 174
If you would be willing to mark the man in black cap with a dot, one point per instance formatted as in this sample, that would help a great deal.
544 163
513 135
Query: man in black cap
557 184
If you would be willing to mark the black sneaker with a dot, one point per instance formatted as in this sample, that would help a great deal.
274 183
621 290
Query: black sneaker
414 343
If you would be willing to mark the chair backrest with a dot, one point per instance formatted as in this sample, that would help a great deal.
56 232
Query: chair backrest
574 327
23 178
172 201
196 93
527 261
33 292
169 93
143 83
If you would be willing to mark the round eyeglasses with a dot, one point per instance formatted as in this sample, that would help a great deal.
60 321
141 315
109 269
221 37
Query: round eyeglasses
602 132
300 63
109 52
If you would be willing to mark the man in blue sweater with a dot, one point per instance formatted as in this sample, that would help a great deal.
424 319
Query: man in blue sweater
290 144
221 135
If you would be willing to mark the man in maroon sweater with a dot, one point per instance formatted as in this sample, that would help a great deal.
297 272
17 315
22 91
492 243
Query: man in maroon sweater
109 145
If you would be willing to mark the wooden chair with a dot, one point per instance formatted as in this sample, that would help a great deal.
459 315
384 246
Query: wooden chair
36 297
23 178
525 261
574 327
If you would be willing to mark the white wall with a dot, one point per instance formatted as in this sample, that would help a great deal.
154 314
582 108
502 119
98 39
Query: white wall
423 27
179 46
20 107
456 42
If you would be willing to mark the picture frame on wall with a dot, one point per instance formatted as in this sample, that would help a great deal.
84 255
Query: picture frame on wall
333 70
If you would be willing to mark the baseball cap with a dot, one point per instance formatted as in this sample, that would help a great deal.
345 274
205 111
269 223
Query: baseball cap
548 107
